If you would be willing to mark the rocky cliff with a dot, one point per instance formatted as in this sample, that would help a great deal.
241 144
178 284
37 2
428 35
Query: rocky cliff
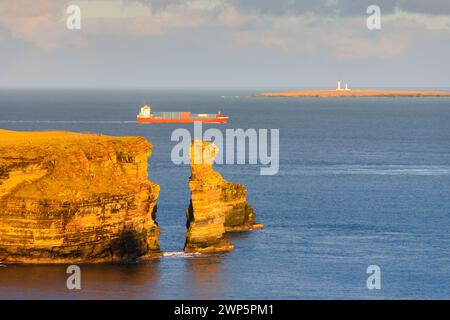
68 197
216 205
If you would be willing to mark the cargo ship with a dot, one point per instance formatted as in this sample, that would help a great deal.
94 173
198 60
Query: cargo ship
146 116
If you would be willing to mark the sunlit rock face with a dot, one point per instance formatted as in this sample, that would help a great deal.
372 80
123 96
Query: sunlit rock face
239 215
69 197
216 205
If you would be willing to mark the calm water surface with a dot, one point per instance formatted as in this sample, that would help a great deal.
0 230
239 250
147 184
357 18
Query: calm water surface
361 182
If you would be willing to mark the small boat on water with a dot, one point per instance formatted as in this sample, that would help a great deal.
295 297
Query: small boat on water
146 116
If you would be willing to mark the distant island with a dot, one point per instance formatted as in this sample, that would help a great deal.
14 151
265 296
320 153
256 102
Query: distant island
350 93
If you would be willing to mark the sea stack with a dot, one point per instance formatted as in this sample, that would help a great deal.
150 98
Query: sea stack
216 206
75 198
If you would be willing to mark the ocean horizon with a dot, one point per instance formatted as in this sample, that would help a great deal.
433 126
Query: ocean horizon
362 181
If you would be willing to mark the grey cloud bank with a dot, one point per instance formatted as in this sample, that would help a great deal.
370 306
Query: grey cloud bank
224 43
319 7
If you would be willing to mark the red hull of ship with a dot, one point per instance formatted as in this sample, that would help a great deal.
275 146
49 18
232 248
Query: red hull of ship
182 120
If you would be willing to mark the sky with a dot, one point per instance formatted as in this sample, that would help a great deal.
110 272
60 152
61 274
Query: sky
224 43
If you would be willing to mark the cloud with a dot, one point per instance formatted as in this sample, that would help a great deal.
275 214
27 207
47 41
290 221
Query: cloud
26 8
231 18
326 27
222 42
340 7
44 22
435 7
40 22
341 39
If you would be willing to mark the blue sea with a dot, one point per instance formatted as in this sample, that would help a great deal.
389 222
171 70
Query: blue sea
362 181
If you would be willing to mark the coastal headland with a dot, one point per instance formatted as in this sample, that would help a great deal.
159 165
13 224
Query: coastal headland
85 198
70 197
356 93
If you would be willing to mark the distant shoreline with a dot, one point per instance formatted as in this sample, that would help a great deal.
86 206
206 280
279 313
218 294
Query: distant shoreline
356 94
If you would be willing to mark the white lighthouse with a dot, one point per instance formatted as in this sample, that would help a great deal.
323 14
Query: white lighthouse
339 87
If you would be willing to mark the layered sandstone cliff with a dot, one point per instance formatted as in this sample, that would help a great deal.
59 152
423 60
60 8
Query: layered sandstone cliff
69 197
216 205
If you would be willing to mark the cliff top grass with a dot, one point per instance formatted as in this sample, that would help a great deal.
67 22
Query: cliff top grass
66 165
64 139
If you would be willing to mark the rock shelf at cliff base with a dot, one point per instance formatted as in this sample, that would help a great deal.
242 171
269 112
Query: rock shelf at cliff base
216 205
70 197
356 93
